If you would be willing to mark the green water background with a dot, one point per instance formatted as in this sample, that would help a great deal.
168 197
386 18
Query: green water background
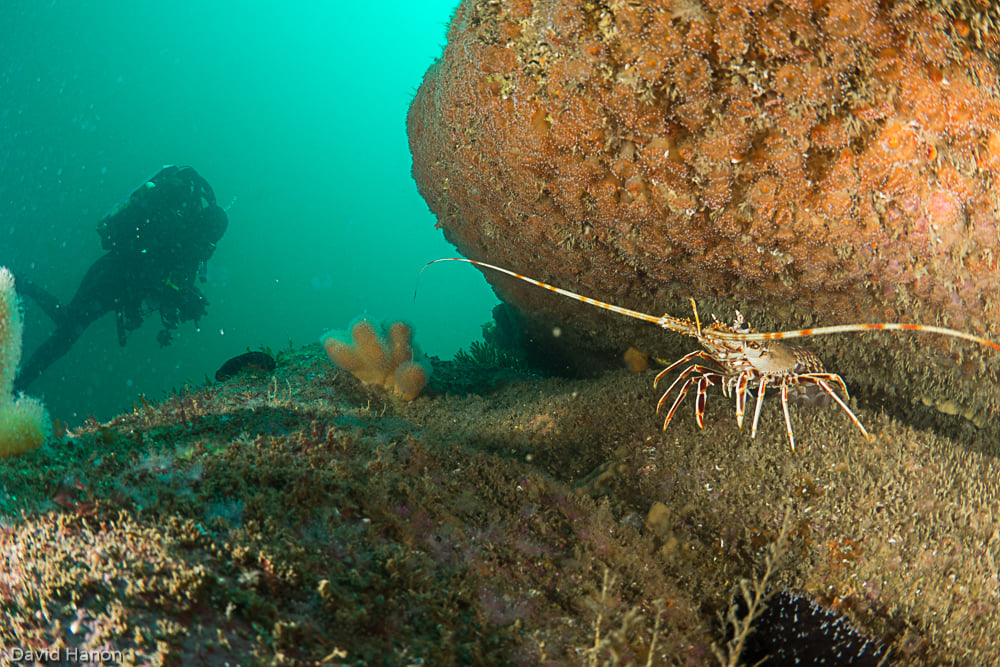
294 112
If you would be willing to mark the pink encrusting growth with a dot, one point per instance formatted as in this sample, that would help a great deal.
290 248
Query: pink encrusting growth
383 356
24 422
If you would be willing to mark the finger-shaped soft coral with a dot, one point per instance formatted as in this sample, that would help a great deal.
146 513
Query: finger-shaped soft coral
383 356
399 343
370 362
409 379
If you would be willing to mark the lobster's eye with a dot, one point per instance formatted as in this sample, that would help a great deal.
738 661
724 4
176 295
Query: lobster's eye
739 324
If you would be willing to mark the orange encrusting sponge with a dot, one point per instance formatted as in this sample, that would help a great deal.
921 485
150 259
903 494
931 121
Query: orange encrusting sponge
636 361
383 357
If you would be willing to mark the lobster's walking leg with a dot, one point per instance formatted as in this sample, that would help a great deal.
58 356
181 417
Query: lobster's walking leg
833 394
742 386
756 409
830 377
680 396
701 354
784 408
704 382
694 368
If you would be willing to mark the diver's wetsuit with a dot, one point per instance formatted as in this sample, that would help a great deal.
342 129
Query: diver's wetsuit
158 241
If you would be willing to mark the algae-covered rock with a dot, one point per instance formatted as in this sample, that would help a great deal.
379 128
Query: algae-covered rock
298 520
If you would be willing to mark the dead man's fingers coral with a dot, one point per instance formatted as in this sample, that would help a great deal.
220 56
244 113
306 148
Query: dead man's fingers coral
371 347
383 356
409 380
342 354
399 342
361 352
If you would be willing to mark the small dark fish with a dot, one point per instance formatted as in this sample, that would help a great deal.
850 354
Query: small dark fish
248 361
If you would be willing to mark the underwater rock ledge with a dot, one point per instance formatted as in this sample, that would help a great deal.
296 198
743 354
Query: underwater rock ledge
807 163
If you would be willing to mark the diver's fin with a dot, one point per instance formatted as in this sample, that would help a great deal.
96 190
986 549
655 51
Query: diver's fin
49 304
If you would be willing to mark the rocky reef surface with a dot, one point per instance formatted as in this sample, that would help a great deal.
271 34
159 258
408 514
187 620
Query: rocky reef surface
302 518
810 163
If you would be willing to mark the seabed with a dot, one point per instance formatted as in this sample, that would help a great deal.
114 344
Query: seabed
301 518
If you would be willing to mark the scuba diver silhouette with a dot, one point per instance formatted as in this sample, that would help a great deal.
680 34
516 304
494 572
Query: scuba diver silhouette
158 241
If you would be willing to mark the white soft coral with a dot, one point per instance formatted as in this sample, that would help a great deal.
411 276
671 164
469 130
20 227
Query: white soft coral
24 422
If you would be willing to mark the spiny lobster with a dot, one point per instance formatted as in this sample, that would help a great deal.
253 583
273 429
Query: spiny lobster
742 357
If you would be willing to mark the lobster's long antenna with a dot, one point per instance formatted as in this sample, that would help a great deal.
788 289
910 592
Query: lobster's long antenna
697 322
688 328
665 321
854 328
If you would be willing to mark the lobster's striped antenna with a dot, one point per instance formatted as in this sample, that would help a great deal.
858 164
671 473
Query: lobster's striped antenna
665 321
855 328
688 328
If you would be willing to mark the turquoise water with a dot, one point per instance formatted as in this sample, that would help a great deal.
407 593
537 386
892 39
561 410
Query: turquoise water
295 113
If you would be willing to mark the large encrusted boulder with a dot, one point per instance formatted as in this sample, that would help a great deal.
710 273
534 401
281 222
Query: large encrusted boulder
808 162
